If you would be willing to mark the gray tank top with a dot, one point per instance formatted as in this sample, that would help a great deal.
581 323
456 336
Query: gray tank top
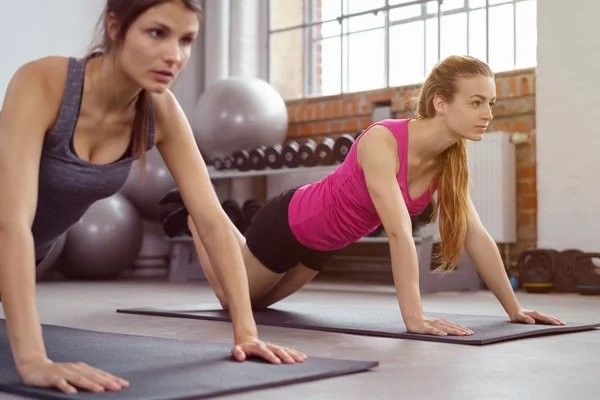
68 185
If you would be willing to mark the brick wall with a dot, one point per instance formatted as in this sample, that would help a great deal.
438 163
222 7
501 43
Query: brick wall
514 112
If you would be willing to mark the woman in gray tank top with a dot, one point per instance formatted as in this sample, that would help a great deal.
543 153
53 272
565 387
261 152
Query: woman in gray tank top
74 126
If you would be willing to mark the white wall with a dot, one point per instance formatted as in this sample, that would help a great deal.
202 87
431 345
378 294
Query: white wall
37 28
568 133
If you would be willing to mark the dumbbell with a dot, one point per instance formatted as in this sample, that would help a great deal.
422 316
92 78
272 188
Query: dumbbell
176 222
342 146
218 164
172 196
228 162
241 160
235 214
274 156
325 153
307 153
290 154
250 208
258 158
223 163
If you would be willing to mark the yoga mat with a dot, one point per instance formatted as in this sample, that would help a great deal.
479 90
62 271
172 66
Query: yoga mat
164 369
370 321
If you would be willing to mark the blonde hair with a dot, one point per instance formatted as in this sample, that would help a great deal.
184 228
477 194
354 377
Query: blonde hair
453 179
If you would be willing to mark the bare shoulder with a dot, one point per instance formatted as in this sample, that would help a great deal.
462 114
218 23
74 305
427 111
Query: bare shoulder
48 72
38 85
168 114
164 104
376 142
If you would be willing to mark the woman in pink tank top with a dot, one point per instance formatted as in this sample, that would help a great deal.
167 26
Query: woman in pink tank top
391 172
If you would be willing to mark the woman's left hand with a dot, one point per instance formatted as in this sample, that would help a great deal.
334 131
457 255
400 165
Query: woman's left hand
532 317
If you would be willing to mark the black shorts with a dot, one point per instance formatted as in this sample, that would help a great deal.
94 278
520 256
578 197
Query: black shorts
273 243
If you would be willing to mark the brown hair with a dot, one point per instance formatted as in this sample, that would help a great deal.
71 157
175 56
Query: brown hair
126 13
452 199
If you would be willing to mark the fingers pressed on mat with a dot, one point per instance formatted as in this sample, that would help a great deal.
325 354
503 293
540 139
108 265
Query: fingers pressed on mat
64 386
101 378
84 382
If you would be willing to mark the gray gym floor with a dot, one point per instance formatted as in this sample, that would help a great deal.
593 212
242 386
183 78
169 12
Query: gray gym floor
552 367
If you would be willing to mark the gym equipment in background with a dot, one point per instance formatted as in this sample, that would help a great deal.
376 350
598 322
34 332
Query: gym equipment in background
564 277
238 113
274 156
144 194
325 152
536 269
175 223
587 273
241 160
342 146
290 154
309 153
104 242
258 159
306 153
235 214
382 322
250 208
159 368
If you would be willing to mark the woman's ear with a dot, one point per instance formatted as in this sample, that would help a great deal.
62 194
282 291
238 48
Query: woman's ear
439 104
112 26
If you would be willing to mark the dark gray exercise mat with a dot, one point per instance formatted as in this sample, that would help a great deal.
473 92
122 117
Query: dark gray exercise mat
163 368
369 321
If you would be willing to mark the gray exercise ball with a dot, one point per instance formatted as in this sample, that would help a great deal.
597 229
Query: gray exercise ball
104 242
145 194
239 113
49 261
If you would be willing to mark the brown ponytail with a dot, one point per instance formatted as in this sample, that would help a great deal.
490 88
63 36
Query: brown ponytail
139 135
453 180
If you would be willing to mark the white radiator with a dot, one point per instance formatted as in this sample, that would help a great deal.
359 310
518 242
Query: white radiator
493 186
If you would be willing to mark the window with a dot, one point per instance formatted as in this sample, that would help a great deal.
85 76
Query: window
327 47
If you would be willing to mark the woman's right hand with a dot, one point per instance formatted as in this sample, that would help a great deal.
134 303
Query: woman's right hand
436 327
67 377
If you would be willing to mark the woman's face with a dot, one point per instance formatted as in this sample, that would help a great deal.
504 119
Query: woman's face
158 45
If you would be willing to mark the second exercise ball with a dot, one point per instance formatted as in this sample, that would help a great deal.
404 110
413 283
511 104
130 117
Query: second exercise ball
145 193
104 242
239 113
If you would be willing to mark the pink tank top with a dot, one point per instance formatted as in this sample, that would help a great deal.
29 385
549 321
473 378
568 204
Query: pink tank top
337 211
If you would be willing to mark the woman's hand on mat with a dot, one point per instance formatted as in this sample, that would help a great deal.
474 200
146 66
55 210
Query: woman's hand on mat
67 377
268 351
532 316
435 326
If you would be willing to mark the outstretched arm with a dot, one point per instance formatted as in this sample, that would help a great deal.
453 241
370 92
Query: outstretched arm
484 253
176 144
378 157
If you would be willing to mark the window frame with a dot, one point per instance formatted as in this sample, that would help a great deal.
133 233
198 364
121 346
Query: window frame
308 67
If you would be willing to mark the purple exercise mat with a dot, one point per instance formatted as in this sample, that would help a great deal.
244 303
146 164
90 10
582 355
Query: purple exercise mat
369 321
165 369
